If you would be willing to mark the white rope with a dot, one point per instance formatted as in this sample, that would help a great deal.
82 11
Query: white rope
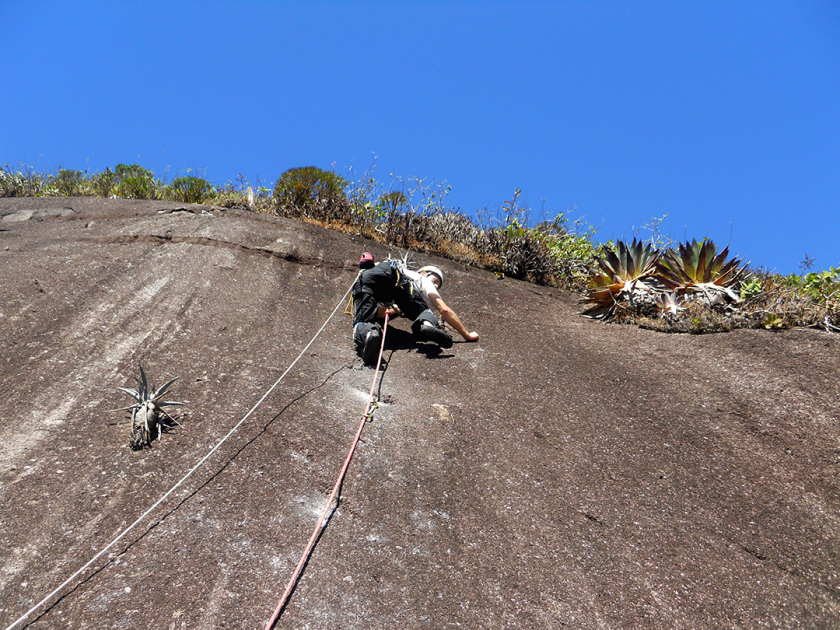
183 479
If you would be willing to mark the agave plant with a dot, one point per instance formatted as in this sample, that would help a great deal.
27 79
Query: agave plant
146 413
619 276
698 268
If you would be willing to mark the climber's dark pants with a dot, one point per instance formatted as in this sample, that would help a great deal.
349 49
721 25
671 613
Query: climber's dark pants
382 284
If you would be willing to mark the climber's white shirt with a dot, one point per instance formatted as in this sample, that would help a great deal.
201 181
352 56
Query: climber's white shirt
424 285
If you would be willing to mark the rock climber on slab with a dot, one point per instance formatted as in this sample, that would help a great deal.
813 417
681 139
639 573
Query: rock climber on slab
389 283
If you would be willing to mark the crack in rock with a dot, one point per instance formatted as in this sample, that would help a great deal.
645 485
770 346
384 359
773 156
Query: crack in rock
210 242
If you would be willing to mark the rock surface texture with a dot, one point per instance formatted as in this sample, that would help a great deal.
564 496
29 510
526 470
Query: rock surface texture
559 473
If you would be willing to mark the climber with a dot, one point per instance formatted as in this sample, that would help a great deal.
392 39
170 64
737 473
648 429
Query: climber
390 287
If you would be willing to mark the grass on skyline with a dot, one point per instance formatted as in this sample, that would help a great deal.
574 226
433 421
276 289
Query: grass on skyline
656 283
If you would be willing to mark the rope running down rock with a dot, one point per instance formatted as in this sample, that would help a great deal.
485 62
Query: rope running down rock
332 502
183 479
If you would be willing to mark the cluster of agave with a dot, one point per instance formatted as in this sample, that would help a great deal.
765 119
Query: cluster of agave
147 412
637 273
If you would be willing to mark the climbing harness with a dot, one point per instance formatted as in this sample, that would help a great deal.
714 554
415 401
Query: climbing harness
332 502
185 477
399 265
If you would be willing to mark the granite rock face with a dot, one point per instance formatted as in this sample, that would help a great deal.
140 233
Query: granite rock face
559 473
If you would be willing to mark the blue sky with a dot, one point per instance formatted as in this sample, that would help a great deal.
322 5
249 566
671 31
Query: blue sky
723 115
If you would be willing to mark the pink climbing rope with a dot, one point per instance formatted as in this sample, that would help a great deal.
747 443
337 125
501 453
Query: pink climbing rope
332 502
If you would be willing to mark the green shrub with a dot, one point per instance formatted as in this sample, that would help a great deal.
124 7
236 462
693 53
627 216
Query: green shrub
822 286
11 184
309 191
24 182
519 251
572 249
751 288
103 183
68 183
134 182
190 189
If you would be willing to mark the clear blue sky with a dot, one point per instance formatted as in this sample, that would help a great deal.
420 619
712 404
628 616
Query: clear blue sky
723 115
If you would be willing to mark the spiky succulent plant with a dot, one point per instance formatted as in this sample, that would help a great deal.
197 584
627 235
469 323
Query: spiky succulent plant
147 411
698 268
619 276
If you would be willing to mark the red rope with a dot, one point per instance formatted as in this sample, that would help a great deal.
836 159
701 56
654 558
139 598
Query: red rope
333 500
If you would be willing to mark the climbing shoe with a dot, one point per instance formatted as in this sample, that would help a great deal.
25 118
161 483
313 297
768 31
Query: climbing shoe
370 352
429 332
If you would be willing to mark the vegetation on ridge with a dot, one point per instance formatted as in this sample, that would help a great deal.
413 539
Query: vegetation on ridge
692 287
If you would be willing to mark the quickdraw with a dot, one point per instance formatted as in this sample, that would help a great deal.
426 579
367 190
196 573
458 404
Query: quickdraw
373 407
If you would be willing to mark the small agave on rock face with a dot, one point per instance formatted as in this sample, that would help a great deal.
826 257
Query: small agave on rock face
621 275
147 411
699 268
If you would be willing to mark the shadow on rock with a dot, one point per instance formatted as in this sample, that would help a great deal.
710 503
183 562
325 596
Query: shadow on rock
397 339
